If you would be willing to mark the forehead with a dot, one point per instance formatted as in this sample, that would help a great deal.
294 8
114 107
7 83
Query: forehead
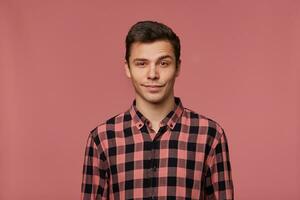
151 50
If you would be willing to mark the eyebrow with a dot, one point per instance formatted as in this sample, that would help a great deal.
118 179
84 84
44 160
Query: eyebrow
166 56
160 58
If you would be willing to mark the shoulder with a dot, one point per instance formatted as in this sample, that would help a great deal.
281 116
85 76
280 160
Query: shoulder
107 128
207 125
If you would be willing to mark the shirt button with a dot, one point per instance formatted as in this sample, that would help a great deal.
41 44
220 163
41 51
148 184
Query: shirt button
154 168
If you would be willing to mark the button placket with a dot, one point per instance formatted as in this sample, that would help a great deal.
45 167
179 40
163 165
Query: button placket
153 168
153 160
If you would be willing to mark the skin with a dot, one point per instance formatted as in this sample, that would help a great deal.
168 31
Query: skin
153 64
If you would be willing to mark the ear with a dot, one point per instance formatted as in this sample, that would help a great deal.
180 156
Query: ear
178 68
127 70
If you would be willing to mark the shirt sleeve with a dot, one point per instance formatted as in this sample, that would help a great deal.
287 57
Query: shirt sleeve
218 183
95 171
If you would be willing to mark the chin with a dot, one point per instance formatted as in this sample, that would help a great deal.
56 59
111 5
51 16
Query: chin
153 98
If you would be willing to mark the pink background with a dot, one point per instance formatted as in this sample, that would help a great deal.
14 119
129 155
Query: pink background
62 74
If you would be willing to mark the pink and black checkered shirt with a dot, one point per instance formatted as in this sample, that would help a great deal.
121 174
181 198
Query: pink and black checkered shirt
188 158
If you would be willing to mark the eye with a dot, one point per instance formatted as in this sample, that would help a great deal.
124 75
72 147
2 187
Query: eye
140 63
164 63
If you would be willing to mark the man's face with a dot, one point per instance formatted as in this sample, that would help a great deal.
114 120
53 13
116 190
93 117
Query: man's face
152 70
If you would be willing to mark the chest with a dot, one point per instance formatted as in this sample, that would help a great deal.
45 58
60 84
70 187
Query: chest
179 154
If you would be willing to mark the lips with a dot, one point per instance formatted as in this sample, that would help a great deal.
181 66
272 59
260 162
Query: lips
153 88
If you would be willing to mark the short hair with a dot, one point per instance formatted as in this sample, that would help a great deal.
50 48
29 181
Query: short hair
151 31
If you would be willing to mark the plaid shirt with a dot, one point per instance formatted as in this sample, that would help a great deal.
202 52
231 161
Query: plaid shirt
188 158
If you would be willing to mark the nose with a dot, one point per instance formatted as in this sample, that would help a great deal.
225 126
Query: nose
153 72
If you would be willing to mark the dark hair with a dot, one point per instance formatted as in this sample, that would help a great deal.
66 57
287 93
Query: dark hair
150 31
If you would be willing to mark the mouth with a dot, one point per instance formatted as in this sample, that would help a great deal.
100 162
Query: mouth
153 85
153 88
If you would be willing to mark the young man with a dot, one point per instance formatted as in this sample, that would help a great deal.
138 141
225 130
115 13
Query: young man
157 149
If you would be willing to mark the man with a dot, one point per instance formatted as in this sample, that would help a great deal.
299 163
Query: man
158 149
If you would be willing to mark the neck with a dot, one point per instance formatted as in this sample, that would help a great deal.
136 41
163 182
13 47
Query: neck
155 112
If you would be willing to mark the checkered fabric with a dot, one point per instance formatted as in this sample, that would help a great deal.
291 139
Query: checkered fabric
188 158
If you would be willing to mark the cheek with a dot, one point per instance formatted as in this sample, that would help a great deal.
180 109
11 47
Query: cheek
135 76
170 78
137 79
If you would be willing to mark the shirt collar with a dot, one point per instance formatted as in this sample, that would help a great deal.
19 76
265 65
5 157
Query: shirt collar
171 119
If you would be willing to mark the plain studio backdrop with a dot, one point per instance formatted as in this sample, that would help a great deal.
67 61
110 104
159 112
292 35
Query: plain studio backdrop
62 74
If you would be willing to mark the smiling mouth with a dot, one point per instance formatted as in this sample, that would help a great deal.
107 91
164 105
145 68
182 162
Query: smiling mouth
153 86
